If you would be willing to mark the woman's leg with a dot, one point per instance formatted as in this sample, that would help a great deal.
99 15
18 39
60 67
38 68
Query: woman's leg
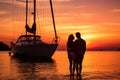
70 66
74 67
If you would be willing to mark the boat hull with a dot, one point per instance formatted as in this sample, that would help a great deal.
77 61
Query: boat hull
43 51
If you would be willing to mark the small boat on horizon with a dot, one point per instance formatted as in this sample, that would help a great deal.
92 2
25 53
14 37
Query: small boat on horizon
32 45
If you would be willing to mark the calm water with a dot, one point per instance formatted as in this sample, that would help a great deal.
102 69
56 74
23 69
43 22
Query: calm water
97 65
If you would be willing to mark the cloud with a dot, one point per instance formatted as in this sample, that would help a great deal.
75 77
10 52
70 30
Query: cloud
108 23
3 12
62 0
116 10
56 0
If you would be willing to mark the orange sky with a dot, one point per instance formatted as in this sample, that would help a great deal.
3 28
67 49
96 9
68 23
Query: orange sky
97 20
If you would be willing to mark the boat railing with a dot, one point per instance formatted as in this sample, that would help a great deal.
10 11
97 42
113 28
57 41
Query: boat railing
54 41
28 38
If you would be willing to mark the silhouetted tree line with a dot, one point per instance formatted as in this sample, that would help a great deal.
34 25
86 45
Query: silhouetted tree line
4 47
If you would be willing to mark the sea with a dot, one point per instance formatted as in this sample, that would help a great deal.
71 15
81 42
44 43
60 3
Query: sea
97 65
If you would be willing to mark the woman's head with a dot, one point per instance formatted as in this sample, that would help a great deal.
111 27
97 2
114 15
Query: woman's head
71 37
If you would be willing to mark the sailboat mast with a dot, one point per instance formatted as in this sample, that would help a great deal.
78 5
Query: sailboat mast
53 21
35 11
26 13
34 23
26 10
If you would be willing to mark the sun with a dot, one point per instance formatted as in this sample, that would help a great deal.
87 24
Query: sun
89 39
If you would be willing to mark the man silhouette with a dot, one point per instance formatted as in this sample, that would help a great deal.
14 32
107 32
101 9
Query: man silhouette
80 48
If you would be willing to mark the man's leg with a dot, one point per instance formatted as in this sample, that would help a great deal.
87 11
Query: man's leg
77 68
80 68
80 65
70 66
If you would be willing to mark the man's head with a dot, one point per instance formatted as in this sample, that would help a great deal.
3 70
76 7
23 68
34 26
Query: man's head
78 35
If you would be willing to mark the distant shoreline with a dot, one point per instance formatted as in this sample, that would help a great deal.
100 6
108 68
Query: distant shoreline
4 47
93 50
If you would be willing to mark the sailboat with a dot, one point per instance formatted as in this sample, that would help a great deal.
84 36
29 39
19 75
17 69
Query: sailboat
31 45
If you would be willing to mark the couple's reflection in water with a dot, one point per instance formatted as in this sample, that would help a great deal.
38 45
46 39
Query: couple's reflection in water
76 78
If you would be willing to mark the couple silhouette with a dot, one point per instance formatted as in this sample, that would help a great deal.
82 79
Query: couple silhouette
76 50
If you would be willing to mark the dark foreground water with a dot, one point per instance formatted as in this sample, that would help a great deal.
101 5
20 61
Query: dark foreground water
97 65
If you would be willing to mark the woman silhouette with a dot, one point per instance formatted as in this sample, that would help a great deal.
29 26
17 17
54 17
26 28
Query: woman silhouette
71 55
